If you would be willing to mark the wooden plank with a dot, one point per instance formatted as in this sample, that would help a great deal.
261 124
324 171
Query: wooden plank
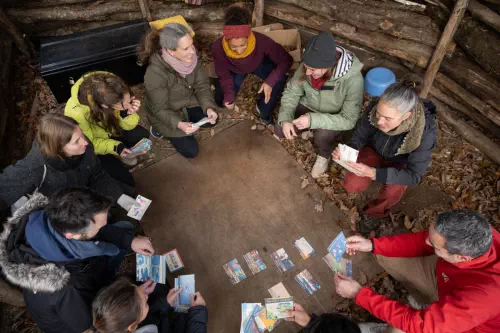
483 13
146 13
258 12
440 51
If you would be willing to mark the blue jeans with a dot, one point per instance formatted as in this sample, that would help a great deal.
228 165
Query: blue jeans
263 71
114 263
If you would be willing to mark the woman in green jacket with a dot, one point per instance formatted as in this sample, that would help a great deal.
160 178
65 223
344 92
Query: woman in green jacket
177 90
324 95
106 111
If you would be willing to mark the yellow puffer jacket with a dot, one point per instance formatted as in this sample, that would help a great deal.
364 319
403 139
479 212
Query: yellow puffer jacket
100 138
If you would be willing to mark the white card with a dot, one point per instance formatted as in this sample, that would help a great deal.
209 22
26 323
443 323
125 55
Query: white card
279 291
201 122
139 208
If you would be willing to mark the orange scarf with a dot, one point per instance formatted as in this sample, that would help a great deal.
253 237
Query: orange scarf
231 54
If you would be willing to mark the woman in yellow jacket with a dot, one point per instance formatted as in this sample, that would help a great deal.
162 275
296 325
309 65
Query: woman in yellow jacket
106 111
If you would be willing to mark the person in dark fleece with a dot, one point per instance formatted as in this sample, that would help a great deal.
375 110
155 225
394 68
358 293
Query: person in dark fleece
240 52
61 157
395 138
125 307
61 252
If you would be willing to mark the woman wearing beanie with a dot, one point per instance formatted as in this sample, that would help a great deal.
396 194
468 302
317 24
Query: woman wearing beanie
324 95
395 137
177 90
241 52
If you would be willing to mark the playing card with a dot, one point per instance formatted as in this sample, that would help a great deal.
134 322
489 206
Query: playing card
183 300
307 282
305 249
150 267
174 261
347 154
234 271
338 246
281 260
343 266
276 308
139 207
201 122
247 309
279 291
254 261
140 148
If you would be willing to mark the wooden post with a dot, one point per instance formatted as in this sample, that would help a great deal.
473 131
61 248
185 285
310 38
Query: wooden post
259 12
440 51
146 13
13 32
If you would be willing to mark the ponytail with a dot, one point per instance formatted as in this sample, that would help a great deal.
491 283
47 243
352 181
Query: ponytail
150 45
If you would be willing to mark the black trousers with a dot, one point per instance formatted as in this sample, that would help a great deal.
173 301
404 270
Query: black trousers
114 167
187 146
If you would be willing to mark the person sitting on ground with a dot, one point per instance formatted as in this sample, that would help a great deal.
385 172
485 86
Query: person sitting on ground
454 267
324 95
61 252
106 111
395 138
123 307
60 157
325 323
240 52
177 91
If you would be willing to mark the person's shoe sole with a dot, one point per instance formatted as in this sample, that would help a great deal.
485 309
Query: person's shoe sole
153 133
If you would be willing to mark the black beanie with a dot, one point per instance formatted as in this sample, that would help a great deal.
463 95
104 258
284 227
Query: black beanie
320 51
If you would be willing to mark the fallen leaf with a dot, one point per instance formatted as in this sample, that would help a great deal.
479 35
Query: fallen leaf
408 223
254 127
353 218
304 183
319 207
212 132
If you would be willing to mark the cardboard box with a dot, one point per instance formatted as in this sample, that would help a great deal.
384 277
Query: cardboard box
288 38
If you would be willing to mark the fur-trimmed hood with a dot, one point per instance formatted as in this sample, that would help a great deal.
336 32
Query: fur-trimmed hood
47 277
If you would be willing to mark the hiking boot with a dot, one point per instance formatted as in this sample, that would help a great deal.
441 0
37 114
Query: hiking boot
369 224
372 327
154 133
129 161
265 121
320 166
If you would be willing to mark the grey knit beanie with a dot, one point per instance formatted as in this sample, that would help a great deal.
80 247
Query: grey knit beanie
320 51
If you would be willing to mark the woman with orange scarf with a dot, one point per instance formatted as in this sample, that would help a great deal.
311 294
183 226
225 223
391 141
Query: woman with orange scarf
240 52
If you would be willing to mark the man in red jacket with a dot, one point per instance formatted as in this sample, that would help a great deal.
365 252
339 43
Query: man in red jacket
454 267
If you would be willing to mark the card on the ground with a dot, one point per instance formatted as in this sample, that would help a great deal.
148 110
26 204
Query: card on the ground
276 308
254 261
248 324
183 300
234 271
150 267
282 260
305 249
307 282
338 246
278 291
343 266
141 147
264 323
174 261
139 207
201 122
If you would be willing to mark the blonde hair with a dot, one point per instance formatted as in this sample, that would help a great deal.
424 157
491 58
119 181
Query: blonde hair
54 132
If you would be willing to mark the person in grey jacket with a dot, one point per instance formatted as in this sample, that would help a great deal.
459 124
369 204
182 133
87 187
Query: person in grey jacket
60 157
125 307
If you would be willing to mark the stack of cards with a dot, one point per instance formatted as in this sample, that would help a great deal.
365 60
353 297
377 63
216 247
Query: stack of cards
282 260
343 266
139 208
141 147
347 154
201 122
254 319
234 271
254 261
278 291
307 282
174 261
277 308
305 249
150 267
183 300
338 246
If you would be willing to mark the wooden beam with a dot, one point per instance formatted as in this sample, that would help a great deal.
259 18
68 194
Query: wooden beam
440 51
258 13
483 13
146 13
13 32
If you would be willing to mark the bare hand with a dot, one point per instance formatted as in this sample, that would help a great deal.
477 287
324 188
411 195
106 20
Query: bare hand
212 116
336 154
148 287
142 245
267 89
358 243
229 106
346 287
288 130
197 299
299 315
172 295
302 122
187 128
362 170
125 152
135 106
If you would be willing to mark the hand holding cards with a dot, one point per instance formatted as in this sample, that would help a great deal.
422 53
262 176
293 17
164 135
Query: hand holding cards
201 122
142 147
347 154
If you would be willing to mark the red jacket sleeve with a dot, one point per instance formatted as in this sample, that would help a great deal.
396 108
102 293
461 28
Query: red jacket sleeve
460 311
403 246
281 58
222 69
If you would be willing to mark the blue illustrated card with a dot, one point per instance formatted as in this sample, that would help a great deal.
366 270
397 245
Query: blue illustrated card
183 301
338 246
150 267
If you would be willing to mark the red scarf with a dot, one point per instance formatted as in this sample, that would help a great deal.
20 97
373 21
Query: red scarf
318 83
